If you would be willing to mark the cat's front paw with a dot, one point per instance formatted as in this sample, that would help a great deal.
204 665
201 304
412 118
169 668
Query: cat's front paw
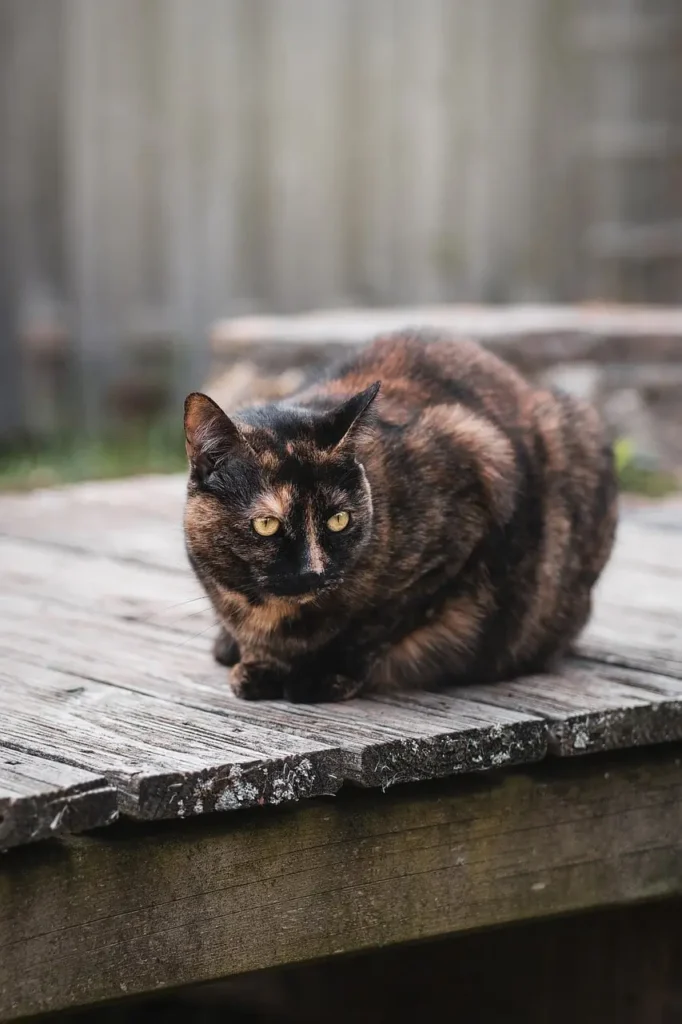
327 689
254 681
226 649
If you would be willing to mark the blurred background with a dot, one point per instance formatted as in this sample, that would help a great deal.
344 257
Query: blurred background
169 163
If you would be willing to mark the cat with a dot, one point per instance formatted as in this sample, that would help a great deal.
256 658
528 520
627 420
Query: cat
423 516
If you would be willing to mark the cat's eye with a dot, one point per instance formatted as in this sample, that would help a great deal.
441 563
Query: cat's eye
266 526
339 521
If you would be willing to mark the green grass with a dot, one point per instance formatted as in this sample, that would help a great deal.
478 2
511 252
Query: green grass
635 477
158 449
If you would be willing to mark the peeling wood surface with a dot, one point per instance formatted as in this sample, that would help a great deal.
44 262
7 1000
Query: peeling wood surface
41 798
106 673
139 909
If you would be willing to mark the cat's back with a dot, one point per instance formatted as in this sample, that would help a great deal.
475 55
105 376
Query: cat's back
418 369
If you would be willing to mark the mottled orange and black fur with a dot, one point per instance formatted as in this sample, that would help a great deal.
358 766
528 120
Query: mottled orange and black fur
482 510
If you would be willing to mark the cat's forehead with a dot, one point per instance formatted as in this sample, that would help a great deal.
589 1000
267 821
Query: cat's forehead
299 478
288 435
282 454
293 456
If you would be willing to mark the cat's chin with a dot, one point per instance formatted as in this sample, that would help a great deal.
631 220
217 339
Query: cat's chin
294 595
307 598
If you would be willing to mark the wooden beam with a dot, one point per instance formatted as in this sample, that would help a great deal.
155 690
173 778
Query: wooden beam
141 908
530 336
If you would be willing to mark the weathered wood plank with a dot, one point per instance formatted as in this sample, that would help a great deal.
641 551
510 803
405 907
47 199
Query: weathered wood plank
622 964
539 334
139 520
637 619
368 743
164 760
604 712
591 708
307 42
385 740
421 173
635 638
370 206
120 588
179 905
40 799
105 635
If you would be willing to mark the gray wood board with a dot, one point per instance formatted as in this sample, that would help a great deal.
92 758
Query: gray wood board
106 666
165 907
164 760
41 798
137 520
170 758
536 334
637 618
592 707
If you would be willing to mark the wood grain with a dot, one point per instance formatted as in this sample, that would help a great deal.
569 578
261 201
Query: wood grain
589 707
163 760
41 799
137 520
105 643
170 758
186 903
531 335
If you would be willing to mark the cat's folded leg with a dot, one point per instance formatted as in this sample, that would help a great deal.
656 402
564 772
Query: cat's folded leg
257 680
333 674
226 649
312 689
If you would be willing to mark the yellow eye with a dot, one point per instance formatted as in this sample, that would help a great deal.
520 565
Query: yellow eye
266 526
339 521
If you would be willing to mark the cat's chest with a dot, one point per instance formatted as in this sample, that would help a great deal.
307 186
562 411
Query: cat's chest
276 622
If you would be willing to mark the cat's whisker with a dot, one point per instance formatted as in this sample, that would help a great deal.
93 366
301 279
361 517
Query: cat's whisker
170 607
195 636
189 615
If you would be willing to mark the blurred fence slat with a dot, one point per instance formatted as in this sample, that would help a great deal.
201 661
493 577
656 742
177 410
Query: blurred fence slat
172 161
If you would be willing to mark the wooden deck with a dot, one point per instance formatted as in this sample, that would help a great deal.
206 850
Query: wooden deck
110 706
111 703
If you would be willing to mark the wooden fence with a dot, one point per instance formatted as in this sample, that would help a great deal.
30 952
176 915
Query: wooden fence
166 162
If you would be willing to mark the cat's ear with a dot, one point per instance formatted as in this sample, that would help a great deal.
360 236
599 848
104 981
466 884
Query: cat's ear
210 436
345 422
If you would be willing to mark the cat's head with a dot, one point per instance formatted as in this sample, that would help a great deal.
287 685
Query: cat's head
278 502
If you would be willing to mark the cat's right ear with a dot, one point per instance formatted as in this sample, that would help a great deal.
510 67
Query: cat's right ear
210 436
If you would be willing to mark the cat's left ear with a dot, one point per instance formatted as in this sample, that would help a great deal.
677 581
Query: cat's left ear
345 422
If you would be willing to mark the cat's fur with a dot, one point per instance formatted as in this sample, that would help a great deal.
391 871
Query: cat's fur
482 512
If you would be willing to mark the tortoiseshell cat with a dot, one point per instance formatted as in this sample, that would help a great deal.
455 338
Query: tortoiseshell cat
446 528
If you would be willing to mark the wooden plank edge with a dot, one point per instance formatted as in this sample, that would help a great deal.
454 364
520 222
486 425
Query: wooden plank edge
337 877
452 752
229 787
163 795
79 808
290 779
652 717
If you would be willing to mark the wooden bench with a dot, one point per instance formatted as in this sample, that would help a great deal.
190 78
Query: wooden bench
114 718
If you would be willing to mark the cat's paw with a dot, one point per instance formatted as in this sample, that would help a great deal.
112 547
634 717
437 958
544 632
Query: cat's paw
251 681
226 649
325 690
